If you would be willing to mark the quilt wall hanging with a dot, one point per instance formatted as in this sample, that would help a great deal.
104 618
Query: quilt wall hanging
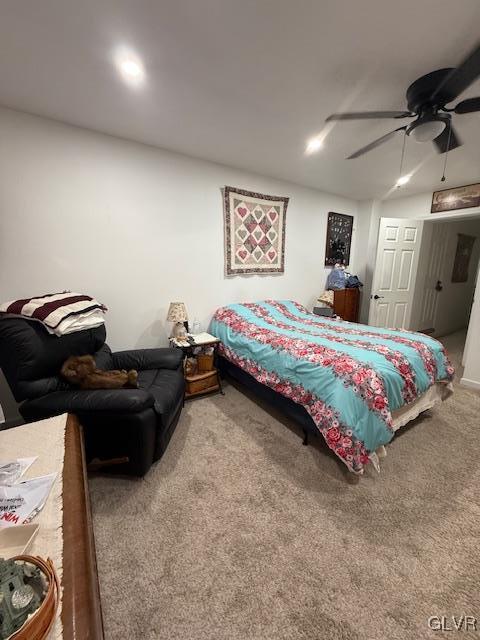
254 232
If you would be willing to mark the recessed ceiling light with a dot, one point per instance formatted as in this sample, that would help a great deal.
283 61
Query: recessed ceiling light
314 144
403 180
130 67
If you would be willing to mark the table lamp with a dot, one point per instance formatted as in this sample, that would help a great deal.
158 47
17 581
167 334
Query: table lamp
177 313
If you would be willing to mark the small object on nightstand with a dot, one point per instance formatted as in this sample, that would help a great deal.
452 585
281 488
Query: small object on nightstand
204 339
325 311
190 368
205 360
177 313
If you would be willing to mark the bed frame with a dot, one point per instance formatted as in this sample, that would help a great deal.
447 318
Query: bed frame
299 414
288 407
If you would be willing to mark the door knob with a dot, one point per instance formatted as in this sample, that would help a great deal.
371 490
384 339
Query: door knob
376 297
439 285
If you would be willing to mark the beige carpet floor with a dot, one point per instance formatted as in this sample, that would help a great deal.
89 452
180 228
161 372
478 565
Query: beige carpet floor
240 532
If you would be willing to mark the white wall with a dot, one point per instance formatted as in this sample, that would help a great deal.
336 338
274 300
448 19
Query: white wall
137 227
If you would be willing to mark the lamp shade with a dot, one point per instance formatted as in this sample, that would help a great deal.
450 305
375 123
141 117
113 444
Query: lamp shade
177 312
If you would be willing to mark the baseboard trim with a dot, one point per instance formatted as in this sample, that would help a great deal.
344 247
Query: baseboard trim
471 384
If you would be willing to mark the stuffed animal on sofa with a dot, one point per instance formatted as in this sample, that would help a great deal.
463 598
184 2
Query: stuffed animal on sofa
82 371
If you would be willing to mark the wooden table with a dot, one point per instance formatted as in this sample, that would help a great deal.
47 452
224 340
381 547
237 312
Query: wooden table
205 375
81 608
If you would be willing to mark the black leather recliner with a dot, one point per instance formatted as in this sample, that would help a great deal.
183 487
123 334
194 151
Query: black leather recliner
133 423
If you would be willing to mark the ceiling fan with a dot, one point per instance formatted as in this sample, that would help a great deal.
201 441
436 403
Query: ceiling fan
426 100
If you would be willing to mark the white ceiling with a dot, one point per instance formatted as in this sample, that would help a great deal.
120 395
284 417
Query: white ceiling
247 82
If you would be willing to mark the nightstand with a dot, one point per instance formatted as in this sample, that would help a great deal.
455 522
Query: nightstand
206 378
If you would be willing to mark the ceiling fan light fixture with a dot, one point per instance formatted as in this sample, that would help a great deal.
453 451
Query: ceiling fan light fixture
427 130
314 145
403 180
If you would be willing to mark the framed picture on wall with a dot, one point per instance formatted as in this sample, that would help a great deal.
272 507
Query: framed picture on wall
457 198
339 239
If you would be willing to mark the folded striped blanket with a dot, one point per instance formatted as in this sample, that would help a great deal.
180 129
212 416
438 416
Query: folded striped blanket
60 313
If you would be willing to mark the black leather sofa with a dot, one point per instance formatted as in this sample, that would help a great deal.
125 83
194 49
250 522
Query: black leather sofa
132 423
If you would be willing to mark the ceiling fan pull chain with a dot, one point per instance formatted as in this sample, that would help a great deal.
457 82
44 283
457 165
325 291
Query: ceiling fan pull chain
448 149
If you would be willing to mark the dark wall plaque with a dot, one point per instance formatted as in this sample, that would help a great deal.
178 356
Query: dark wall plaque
339 239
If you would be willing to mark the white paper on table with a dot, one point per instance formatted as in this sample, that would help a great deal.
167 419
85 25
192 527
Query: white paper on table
203 338
12 470
19 503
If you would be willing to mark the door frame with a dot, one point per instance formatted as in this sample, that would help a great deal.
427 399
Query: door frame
421 276
434 217
450 216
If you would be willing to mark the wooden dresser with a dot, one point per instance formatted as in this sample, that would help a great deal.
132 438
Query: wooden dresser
81 607
346 304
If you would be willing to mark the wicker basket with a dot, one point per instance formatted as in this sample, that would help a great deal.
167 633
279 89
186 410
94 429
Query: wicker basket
205 362
38 625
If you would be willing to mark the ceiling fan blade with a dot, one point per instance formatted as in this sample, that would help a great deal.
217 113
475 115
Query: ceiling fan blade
461 77
367 115
468 106
375 143
441 142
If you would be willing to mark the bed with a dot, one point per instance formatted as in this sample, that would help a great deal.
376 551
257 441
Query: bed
353 383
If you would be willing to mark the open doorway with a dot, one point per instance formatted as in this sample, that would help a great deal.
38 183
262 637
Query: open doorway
425 278
446 282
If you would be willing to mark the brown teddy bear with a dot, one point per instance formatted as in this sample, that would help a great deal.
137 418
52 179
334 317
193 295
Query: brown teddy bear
82 371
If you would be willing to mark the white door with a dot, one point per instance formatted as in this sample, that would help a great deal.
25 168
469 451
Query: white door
394 277
434 274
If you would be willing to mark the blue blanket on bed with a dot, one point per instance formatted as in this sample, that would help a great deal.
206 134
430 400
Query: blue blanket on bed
349 377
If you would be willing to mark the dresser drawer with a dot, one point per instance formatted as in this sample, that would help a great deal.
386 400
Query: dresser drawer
346 304
201 383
